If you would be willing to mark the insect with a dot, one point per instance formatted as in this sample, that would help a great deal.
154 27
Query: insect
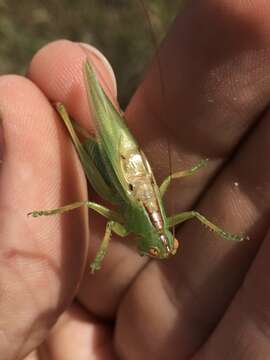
119 172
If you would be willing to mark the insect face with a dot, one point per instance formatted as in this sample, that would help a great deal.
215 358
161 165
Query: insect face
161 246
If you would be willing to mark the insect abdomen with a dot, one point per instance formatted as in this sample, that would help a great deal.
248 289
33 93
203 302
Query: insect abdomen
139 178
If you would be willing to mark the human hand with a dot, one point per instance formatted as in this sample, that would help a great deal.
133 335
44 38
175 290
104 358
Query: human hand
207 302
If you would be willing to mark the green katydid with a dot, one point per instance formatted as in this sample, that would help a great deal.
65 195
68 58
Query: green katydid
119 172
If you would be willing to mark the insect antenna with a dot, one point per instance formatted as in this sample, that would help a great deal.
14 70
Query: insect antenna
157 59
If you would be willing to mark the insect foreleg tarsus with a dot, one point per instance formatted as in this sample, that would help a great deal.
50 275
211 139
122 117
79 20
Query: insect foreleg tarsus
184 216
165 184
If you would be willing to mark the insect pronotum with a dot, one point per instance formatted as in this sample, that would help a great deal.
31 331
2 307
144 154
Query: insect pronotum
119 172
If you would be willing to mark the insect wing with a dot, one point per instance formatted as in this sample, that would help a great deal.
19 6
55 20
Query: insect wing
113 136
93 173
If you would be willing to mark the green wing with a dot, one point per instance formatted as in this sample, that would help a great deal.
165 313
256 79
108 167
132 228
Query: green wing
91 147
113 136
91 160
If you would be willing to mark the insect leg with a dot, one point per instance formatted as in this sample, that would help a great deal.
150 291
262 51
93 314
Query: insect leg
184 216
102 210
110 226
95 265
164 186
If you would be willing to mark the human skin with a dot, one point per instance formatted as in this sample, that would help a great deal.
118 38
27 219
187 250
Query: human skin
211 300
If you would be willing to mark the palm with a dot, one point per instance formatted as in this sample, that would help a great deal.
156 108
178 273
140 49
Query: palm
196 303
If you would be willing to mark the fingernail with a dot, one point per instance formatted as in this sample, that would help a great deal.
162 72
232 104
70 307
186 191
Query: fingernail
96 53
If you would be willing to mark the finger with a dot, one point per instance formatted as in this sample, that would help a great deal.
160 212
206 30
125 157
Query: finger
39 272
193 290
218 269
243 332
191 294
207 92
57 70
78 336
186 302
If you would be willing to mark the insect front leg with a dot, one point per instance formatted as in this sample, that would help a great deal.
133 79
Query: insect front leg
55 211
165 184
112 225
102 251
184 216
102 210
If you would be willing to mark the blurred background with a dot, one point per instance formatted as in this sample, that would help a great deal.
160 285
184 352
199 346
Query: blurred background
119 28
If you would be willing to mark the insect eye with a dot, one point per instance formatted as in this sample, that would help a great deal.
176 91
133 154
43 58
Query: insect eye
175 244
153 252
